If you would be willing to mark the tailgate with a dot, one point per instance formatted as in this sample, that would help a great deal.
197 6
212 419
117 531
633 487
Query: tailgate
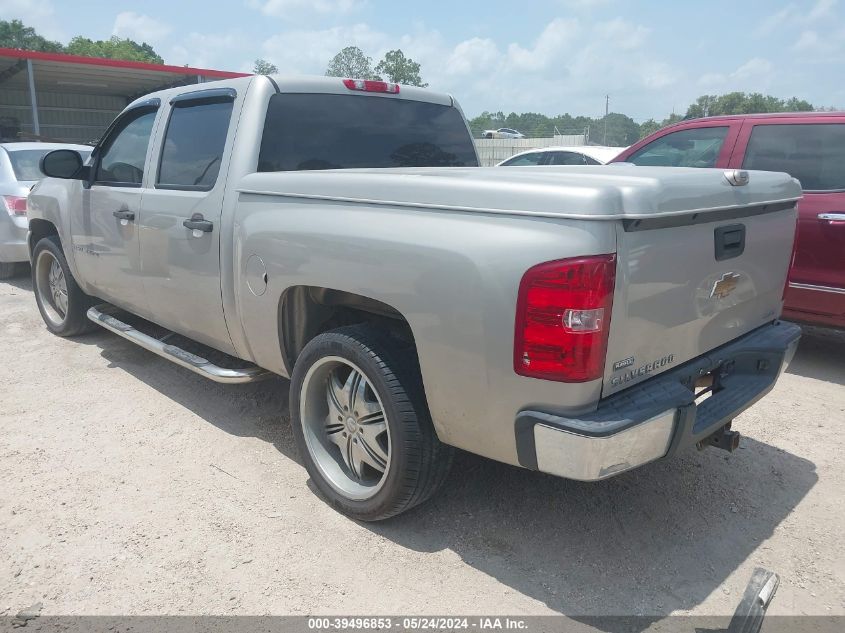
687 284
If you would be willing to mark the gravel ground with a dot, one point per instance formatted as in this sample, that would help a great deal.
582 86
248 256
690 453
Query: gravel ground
131 486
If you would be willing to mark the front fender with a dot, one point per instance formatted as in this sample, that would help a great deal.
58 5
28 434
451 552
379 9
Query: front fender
51 200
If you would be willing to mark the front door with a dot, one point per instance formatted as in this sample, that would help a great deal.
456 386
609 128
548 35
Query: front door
104 226
814 153
180 228
697 144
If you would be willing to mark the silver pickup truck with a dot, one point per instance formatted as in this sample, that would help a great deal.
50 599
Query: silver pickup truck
579 321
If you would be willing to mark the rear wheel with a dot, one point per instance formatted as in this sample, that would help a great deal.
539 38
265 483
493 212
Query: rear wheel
60 300
362 425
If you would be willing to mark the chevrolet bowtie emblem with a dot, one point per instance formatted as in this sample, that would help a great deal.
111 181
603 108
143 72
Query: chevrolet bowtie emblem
724 286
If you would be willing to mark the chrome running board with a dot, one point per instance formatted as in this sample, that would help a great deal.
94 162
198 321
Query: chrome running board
250 373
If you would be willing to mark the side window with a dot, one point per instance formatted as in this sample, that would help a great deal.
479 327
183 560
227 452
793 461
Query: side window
122 157
566 158
814 154
696 147
591 161
525 159
193 144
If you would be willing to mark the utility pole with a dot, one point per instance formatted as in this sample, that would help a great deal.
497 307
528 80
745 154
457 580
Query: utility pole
606 112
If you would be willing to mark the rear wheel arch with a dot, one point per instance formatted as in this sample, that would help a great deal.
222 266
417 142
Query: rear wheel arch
307 311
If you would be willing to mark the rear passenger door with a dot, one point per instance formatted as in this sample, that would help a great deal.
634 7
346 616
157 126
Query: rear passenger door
813 151
181 213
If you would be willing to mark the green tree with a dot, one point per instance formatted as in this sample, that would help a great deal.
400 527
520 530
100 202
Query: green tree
651 126
744 103
621 130
351 62
114 48
15 34
794 104
400 69
263 67
701 107
486 121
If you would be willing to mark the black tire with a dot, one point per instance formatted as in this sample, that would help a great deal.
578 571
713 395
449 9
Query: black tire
9 269
74 320
419 462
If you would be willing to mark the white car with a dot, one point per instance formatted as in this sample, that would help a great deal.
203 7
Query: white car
19 170
502 132
578 155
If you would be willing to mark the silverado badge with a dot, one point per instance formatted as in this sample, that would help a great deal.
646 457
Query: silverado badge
724 286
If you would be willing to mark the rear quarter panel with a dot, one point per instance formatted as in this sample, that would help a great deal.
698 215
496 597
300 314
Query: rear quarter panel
454 276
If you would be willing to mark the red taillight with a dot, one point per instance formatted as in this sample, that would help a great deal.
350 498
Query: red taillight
15 205
563 319
368 85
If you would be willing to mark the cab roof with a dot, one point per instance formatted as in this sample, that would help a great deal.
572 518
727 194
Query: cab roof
303 84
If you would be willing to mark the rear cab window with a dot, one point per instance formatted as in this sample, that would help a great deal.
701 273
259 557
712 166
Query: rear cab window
690 147
814 153
330 131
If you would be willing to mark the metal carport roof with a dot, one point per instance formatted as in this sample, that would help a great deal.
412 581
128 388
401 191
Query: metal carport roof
61 97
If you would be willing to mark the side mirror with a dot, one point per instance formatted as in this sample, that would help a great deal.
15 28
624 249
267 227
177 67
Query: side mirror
62 163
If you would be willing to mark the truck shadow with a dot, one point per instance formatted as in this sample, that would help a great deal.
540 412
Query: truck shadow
647 543
821 355
650 542
22 280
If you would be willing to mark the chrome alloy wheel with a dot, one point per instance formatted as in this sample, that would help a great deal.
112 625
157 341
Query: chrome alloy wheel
51 286
345 427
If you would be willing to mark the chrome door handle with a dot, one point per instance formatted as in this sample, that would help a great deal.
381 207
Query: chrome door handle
833 218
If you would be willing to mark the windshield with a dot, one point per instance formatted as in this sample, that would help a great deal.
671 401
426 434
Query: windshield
326 131
25 162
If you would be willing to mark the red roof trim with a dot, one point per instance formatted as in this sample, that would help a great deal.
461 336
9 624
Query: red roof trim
17 53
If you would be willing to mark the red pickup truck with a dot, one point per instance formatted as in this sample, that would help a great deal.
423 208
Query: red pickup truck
808 145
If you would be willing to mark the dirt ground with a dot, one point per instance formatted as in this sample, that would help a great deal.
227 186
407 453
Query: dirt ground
131 486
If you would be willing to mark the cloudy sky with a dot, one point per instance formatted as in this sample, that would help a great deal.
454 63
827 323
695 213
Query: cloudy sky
549 56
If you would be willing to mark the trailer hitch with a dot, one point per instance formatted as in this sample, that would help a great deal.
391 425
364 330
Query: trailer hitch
724 438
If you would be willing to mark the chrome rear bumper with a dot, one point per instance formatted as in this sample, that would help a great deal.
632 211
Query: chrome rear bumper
657 418
575 456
